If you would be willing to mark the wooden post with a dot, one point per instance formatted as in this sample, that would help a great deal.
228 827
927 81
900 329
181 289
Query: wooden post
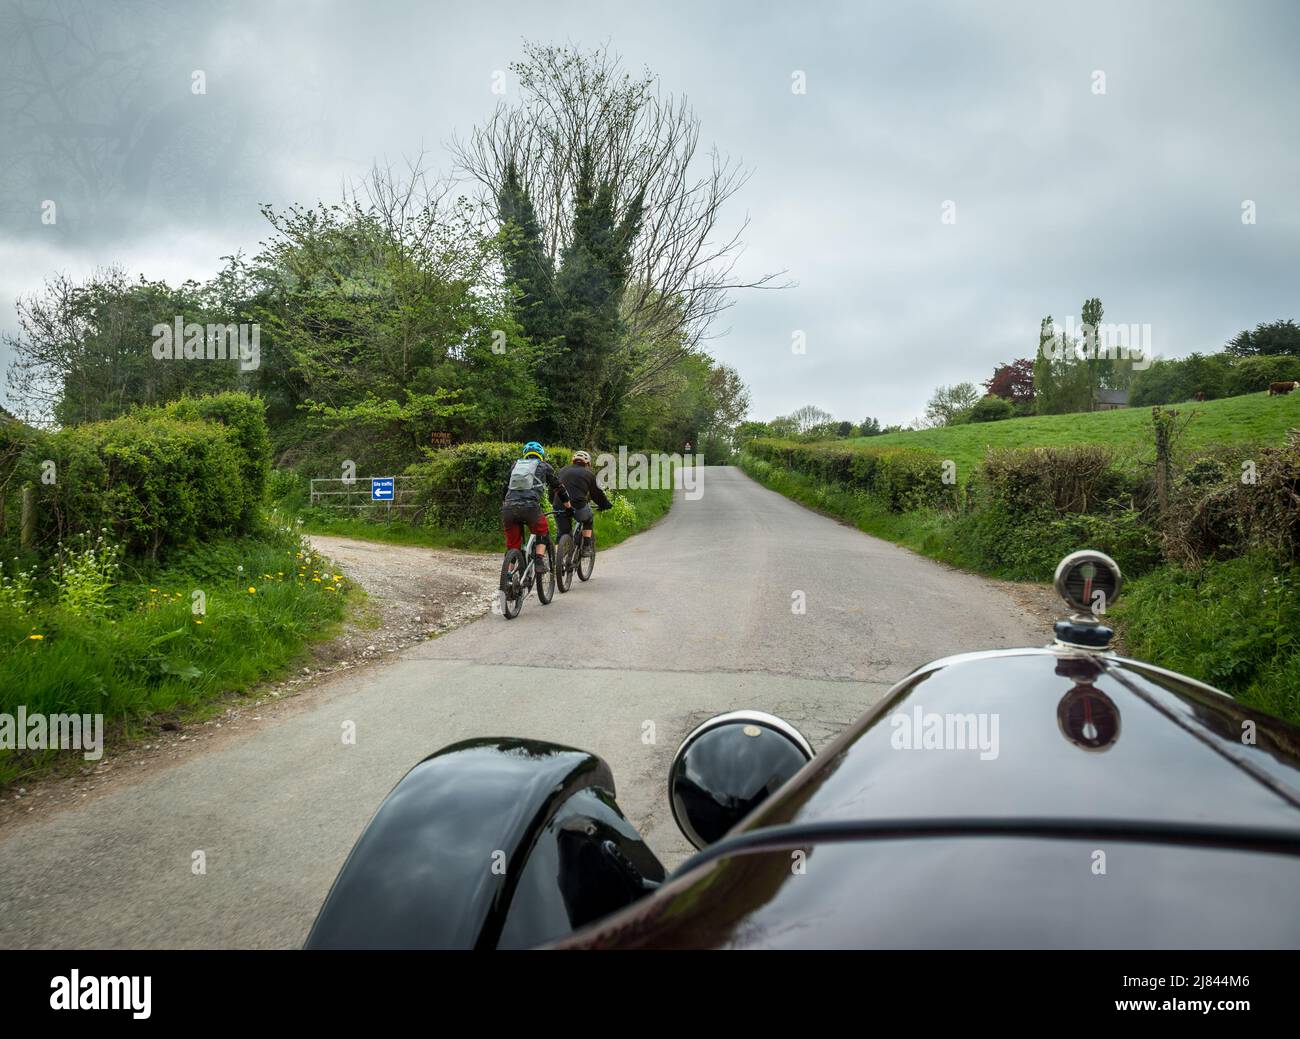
28 536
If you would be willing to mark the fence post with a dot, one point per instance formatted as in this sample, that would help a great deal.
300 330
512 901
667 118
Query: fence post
28 535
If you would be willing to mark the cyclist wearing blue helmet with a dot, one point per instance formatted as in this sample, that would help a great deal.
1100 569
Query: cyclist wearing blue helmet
522 505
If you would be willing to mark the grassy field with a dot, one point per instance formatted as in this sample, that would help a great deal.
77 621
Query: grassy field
1256 418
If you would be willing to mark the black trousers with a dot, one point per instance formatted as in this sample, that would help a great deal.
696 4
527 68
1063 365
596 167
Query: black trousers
564 517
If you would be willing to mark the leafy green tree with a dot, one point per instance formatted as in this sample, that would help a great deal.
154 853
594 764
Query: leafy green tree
992 409
391 318
951 405
84 350
1267 338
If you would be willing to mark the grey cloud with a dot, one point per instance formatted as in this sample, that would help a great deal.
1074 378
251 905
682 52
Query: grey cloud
1134 196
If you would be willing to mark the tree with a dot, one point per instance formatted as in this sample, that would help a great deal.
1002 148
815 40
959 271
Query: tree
1013 382
1099 368
588 141
389 310
1062 382
84 351
869 427
1274 337
992 409
950 405
806 418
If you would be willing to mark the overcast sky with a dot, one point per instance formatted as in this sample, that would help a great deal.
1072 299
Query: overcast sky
1061 193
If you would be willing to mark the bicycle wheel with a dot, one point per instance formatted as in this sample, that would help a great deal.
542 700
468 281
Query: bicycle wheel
512 589
546 581
564 563
586 563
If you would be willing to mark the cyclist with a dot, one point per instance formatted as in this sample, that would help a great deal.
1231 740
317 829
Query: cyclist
580 483
523 501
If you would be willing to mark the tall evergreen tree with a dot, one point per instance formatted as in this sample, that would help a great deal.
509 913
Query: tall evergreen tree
528 267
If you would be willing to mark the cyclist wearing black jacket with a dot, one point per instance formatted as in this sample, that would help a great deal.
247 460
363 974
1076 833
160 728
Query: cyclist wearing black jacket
580 482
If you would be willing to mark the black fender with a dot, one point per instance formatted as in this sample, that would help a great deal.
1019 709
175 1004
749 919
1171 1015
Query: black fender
488 842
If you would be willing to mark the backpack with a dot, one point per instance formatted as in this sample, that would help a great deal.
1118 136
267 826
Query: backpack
524 479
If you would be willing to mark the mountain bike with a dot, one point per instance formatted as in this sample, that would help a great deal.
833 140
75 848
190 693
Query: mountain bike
570 560
519 576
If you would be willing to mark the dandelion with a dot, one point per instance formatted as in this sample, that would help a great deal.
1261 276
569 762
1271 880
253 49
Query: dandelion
36 638
252 590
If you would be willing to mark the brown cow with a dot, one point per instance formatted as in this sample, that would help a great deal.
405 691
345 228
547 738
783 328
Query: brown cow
1199 395
1279 389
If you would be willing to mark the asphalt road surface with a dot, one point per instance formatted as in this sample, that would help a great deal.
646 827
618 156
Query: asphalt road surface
699 615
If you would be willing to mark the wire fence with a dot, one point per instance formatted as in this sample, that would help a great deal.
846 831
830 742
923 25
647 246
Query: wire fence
413 497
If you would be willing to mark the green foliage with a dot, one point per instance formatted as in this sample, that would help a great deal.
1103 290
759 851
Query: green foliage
992 409
1028 546
1272 337
145 651
1233 623
245 418
151 481
390 323
462 487
158 477
1253 374
1059 479
951 405
84 572
17 586
84 352
902 480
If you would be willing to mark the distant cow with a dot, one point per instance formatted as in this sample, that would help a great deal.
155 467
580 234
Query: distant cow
1199 395
1278 389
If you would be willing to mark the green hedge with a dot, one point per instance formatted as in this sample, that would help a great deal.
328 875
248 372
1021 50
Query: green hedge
461 487
158 477
1025 481
902 478
245 418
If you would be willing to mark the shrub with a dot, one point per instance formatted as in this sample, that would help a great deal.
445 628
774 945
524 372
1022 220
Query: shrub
19 591
1253 374
902 478
149 480
1062 479
245 418
462 487
992 409
1215 514
1233 623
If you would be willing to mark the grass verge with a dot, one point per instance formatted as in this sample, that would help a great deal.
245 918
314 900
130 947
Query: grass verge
144 651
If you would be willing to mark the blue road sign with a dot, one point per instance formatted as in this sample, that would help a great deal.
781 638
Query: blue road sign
381 488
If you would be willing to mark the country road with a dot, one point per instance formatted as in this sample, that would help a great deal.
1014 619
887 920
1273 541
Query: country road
696 616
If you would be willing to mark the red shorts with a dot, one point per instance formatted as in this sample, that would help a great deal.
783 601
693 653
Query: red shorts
530 516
